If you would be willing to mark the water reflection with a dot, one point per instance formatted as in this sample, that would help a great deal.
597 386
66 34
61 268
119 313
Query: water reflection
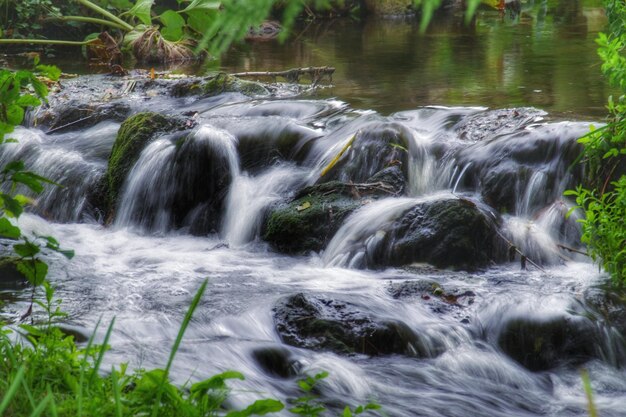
545 56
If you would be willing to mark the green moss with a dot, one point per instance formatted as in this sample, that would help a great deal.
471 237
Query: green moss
389 7
134 134
224 83
292 230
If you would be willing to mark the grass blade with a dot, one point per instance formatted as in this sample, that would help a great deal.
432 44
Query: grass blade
83 365
103 348
41 406
19 376
116 392
589 393
179 338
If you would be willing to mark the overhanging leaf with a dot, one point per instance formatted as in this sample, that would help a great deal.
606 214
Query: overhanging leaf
173 24
141 10
202 5
8 230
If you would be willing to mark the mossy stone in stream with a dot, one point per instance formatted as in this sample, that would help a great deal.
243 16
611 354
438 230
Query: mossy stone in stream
309 222
327 325
134 134
218 84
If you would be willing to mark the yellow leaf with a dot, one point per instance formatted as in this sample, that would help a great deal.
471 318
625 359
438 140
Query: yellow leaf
304 206
338 157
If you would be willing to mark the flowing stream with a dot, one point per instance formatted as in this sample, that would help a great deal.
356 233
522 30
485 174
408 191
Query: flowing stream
507 339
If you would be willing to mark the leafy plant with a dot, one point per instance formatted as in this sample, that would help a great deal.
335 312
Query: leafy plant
604 198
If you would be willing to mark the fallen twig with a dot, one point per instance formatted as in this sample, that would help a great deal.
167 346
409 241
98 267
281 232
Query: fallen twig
293 75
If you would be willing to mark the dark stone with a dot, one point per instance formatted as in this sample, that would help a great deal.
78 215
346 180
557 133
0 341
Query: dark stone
445 233
491 123
327 325
276 361
376 146
295 228
543 344
76 114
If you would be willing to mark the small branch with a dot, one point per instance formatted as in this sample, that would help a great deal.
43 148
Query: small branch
292 75
106 14
567 248
525 258
84 19
45 42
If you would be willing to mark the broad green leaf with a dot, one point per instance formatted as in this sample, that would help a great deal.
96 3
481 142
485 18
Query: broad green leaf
13 207
173 24
8 229
28 100
215 382
15 114
200 20
35 271
26 250
50 71
202 5
141 10
258 408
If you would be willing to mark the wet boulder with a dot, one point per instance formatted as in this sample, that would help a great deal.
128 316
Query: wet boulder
327 325
450 232
524 171
133 136
77 114
375 147
491 123
261 141
541 344
310 220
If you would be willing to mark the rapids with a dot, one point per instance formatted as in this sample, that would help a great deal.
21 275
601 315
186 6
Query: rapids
501 340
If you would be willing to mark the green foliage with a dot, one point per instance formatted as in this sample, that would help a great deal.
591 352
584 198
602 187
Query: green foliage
604 197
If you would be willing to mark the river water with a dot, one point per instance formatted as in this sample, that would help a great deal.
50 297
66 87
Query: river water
512 340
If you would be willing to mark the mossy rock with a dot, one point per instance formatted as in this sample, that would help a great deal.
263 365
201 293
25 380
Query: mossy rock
310 221
134 134
216 85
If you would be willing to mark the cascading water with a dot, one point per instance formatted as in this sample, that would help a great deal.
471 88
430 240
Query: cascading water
472 335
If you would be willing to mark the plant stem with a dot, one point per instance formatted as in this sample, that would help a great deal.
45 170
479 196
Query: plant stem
106 14
45 42
84 19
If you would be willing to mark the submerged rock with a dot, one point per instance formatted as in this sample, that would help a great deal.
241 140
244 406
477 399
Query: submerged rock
327 325
134 134
543 344
276 361
438 299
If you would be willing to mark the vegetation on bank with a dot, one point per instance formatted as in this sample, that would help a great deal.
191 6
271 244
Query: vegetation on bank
159 31
603 198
